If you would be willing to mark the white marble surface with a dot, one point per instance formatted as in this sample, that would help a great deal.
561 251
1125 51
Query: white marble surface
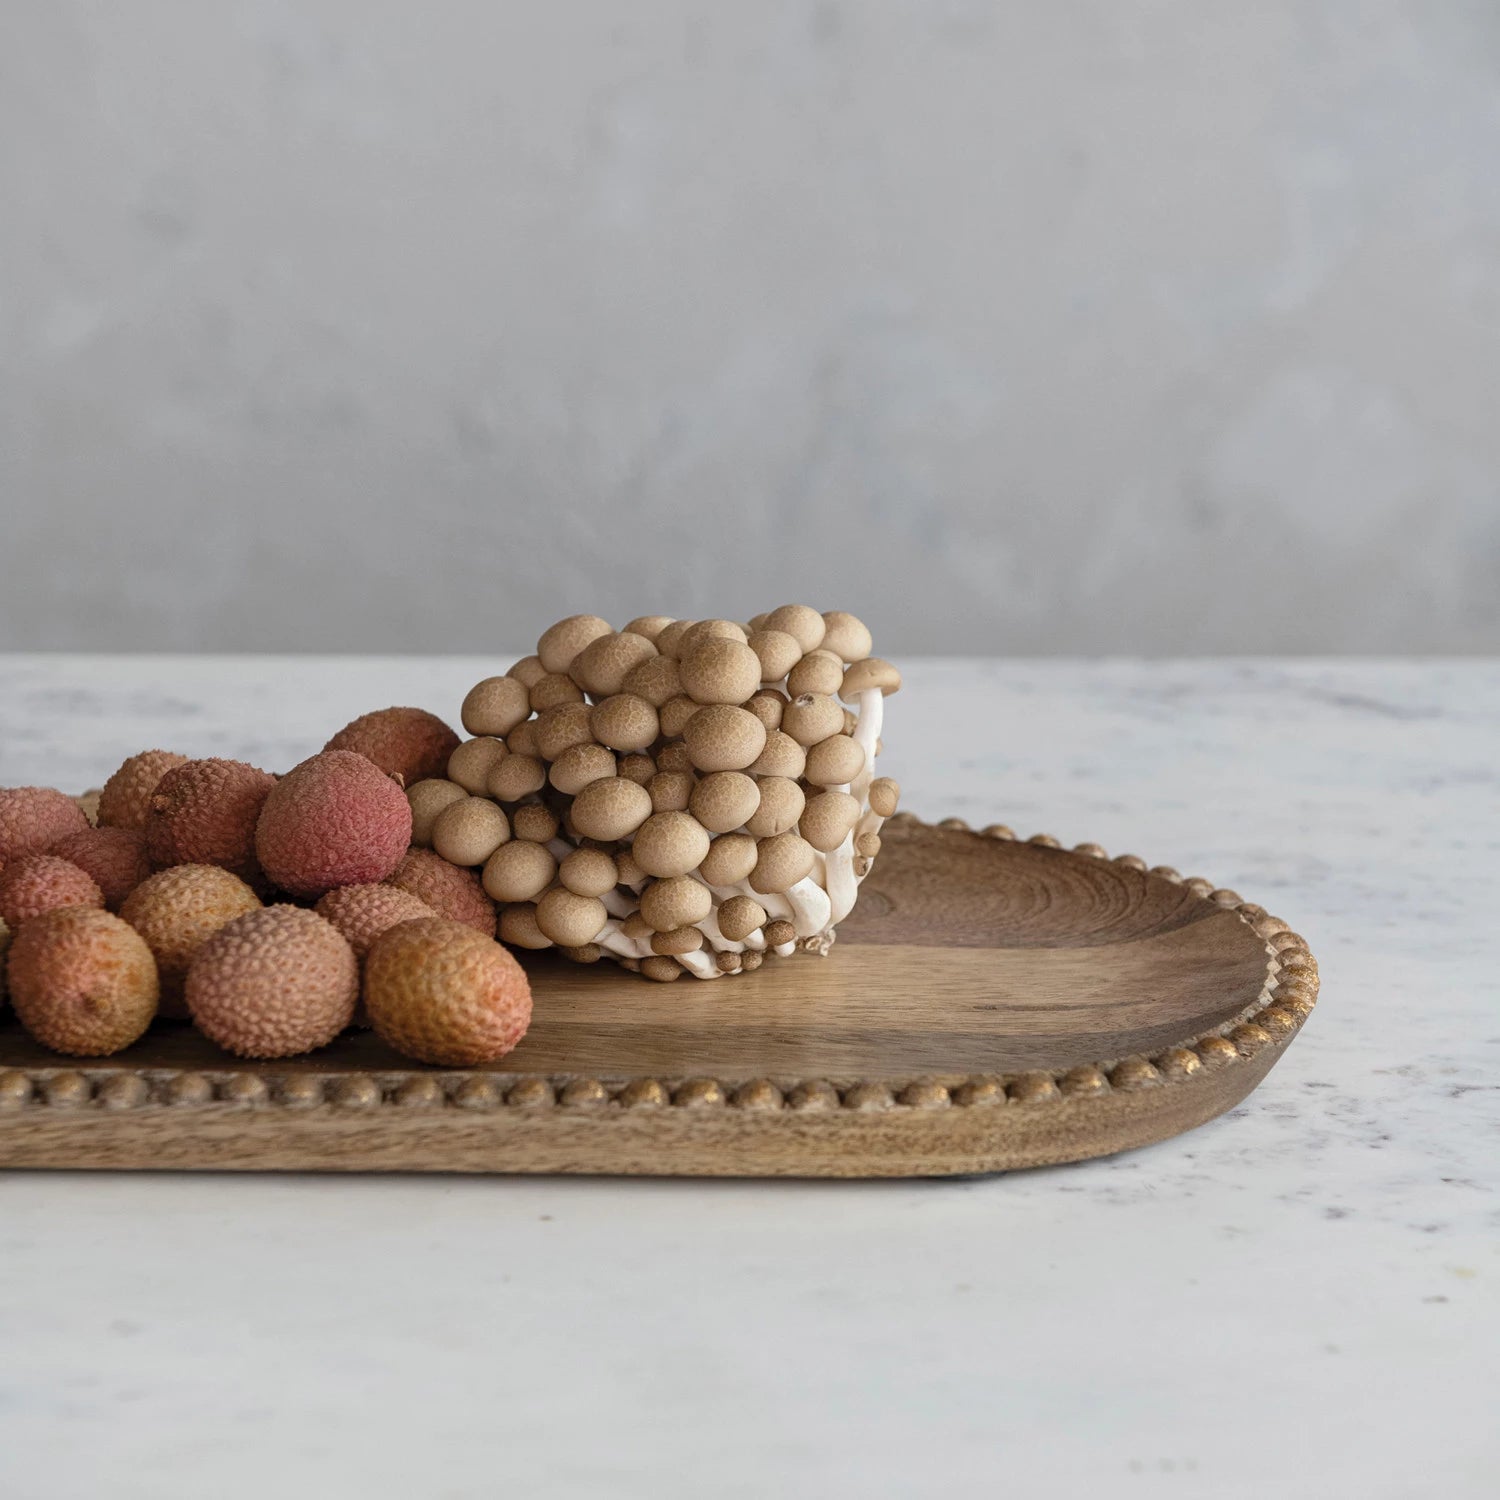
1300 1299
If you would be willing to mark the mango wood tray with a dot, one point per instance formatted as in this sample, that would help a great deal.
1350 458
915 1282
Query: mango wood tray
990 1004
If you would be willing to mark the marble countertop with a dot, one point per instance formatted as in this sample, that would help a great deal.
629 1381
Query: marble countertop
1299 1299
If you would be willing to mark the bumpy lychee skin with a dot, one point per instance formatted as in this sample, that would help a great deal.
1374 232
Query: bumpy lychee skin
363 912
115 857
449 890
33 818
336 819
37 883
204 812
5 936
274 983
176 911
82 981
406 742
440 992
126 796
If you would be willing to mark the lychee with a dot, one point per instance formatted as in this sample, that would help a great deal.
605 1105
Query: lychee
363 912
336 819
438 991
33 818
204 812
176 911
449 890
126 796
406 742
115 857
82 981
36 883
274 983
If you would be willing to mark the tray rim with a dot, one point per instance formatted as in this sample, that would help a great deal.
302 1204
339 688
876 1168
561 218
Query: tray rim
1286 1000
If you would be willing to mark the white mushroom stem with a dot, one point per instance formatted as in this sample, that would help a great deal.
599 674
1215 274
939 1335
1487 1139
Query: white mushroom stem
617 905
840 880
866 735
700 964
785 950
714 937
810 907
613 940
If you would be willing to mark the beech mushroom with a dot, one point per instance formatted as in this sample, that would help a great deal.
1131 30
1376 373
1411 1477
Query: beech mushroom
729 860
589 872
768 705
535 821
679 901
674 757
552 691
723 800
495 706
522 739
562 642
669 638
885 795
818 672
703 630
803 624
781 862
468 832
679 940
720 737
611 809
675 713
739 916
847 635
660 968
528 671
657 679
602 666
561 728
519 929
828 819
671 791
624 721
515 777
835 761
782 756
781 804
639 768
718 669
811 717
778 653
670 843
651 626
578 765
519 871
568 918
471 763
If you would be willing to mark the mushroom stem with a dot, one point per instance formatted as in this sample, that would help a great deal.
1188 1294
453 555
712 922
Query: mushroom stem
810 907
700 964
866 734
840 880
617 905
612 940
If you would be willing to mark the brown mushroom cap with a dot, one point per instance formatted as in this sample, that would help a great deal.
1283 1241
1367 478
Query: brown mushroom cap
570 919
782 861
703 630
562 642
885 793
650 626
781 804
779 932
519 871
778 653
802 623
720 670
730 858
522 739
589 872
827 819
428 798
468 832
602 666
740 916
515 777
585 953
611 809
669 638
818 672
835 761
872 672
811 717
677 902
750 960
661 968
671 791
636 927
674 757
720 737
724 799
670 843
578 765
639 768
626 868
495 706
535 821
624 722
768 705
783 756
658 679
675 713
847 635
868 844
471 763
528 671
552 691
518 927
678 940
851 722
561 728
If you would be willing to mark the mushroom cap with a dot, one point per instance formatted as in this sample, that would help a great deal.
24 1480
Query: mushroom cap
636 927
518 927
495 706
676 902
846 635
779 932
535 821
519 871
783 756
674 757
661 968
783 860
739 916
471 763
778 653
721 737
819 671
675 713
639 768
851 722
624 722
602 666
578 765
719 669
611 809
589 872
671 791
658 679
527 671
868 844
811 717
781 804
670 843
515 777
570 919
803 623
835 761
650 626
724 799
678 940
768 705
669 638
563 727
562 642
703 630
522 739
872 672
428 798
468 832
884 794
552 690
827 819
585 953
730 858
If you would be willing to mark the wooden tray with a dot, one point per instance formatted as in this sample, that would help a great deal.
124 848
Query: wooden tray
990 1004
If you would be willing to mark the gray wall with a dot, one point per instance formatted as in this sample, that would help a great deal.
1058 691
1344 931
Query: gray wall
1093 326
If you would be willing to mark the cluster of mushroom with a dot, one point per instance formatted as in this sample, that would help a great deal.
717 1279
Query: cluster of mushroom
678 795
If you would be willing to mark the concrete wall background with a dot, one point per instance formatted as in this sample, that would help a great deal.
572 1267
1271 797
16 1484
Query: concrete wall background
1144 327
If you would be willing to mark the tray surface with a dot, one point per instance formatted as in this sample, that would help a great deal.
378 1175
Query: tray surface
989 1004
